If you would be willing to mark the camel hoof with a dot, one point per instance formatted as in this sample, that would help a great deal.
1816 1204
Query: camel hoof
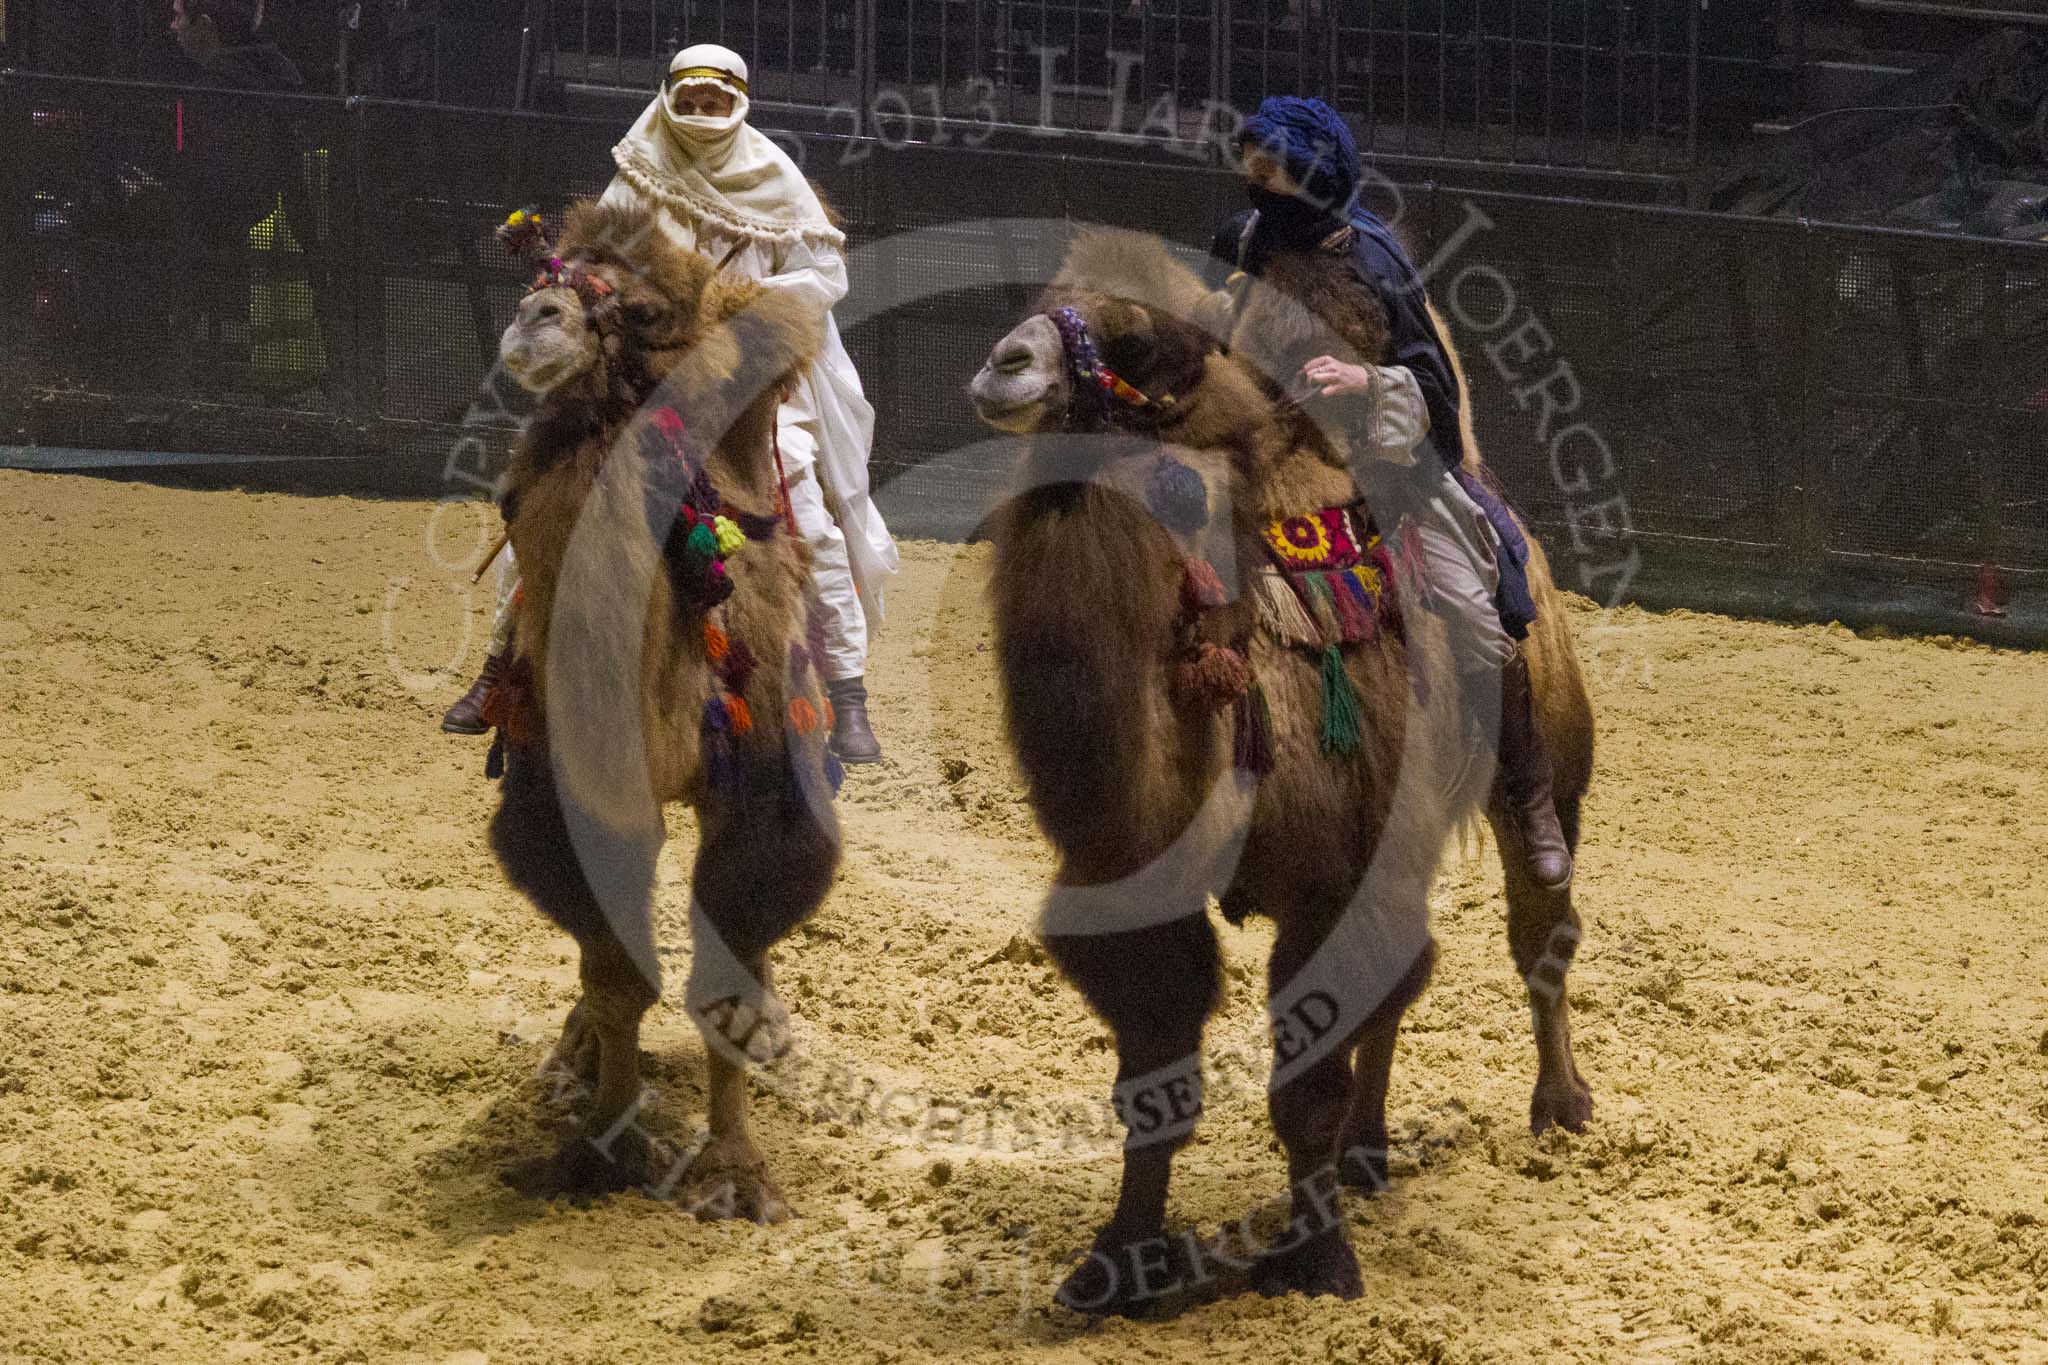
1127 1278
1320 1264
1363 1168
722 1184
1568 1106
581 1169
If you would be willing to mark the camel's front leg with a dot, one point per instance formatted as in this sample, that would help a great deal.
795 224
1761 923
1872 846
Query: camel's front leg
1155 987
531 834
763 864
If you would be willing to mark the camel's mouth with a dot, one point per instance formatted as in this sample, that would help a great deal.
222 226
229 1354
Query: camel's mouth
1016 416
541 377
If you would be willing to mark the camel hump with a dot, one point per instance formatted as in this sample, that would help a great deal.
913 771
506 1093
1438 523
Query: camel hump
1138 266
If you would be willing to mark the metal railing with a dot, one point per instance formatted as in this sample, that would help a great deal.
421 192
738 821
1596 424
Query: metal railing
1572 83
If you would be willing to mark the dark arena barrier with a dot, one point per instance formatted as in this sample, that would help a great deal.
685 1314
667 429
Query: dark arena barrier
1757 415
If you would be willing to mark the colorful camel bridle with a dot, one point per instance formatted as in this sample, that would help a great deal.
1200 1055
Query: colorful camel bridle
1096 390
524 234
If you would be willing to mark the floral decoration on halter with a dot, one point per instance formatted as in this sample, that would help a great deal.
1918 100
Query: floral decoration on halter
1096 387
525 235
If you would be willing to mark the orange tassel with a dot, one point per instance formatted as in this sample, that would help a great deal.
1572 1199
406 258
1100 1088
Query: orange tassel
716 645
803 717
742 715
831 716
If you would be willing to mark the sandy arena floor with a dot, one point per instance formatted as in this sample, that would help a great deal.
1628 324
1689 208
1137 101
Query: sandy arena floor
269 1018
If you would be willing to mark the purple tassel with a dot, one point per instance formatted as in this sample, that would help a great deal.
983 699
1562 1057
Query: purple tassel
835 771
1368 600
1252 732
720 758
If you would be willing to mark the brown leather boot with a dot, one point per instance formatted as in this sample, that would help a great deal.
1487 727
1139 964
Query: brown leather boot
1524 782
852 738
466 717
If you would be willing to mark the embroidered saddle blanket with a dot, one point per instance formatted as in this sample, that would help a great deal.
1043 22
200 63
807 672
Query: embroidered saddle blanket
1329 580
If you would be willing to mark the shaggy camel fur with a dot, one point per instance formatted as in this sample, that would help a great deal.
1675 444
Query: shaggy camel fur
607 718
1147 811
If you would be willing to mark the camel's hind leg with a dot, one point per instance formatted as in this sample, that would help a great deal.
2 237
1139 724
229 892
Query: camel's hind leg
1543 934
763 864
601 1041
1327 1121
1155 988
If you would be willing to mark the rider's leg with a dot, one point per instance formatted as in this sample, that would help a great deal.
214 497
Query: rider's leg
837 597
1464 575
466 717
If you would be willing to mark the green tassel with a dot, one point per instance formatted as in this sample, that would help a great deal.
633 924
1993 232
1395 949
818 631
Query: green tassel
1342 719
703 541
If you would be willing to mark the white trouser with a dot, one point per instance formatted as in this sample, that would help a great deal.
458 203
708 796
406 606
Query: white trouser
508 584
846 624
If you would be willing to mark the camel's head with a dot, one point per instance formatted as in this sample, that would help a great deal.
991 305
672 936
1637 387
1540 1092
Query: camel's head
550 341
614 298
1115 343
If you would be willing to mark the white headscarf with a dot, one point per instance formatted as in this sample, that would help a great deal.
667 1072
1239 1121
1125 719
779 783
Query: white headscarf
720 171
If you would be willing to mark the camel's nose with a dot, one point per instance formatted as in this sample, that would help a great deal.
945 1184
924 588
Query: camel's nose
1011 356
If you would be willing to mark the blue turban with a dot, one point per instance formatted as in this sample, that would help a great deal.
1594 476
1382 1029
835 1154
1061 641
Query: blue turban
1315 145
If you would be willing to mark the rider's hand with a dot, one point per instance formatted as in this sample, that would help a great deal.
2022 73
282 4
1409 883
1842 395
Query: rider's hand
1334 378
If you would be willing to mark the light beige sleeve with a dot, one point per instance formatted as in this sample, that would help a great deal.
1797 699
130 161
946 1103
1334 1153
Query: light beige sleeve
1399 418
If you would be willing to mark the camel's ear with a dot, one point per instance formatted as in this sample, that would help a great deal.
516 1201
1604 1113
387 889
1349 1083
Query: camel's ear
1132 265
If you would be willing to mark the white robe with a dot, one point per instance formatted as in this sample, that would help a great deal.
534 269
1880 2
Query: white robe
828 422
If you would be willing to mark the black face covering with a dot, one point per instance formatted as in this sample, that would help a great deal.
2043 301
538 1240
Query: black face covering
1287 223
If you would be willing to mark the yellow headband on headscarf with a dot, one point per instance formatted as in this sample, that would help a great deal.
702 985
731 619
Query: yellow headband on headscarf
707 73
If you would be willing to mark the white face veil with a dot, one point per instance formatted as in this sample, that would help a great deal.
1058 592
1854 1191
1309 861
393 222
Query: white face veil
704 139
720 172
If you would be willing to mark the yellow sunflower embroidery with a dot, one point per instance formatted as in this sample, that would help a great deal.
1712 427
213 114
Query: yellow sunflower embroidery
1300 540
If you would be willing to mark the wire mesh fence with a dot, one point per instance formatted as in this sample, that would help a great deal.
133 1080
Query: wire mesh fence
280 277
1577 83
